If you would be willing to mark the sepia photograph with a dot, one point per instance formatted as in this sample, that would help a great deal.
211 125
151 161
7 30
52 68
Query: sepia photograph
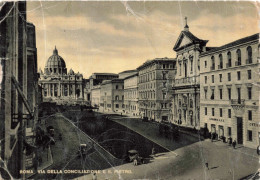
129 90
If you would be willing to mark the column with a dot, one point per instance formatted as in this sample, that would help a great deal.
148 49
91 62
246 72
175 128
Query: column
53 90
81 91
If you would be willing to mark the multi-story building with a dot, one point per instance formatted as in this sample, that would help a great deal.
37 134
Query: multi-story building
229 96
98 78
186 84
112 95
95 96
124 74
131 94
154 88
19 88
58 85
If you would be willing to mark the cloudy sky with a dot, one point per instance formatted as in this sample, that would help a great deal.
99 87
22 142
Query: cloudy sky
118 36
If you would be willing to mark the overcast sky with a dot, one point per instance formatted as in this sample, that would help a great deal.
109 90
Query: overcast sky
118 36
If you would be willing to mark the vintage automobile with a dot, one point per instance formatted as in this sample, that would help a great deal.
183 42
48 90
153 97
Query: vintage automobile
82 150
132 155
169 130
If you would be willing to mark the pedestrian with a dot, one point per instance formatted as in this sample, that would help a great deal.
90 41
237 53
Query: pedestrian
135 161
153 152
258 150
234 144
94 176
207 165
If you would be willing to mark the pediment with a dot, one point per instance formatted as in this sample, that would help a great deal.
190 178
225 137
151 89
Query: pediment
182 41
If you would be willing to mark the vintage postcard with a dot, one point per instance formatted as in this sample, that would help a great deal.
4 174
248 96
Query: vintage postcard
128 90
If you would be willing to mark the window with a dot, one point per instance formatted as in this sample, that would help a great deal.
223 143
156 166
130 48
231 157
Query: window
220 112
229 113
249 55
122 97
164 84
164 95
229 76
116 86
212 78
117 97
249 92
164 76
238 63
249 74
220 77
117 105
191 64
206 78
205 64
229 64
238 75
229 93
206 111
250 115
212 94
212 63
205 92
180 68
229 131
213 111
220 62
249 135
220 94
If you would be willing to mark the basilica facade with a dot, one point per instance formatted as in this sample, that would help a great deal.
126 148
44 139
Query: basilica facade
58 85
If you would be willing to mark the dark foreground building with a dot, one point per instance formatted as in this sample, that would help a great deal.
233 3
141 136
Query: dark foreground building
19 90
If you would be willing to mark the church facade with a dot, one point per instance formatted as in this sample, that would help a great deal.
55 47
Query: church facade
58 85
186 85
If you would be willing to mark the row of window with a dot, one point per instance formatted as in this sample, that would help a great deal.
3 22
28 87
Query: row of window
151 76
147 86
131 94
118 87
212 96
249 112
229 59
117 98
185 67
229 78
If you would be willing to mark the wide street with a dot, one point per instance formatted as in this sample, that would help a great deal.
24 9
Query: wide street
184 159
224 161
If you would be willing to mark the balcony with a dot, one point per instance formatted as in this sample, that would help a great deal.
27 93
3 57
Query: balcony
238 63
186 82
249 61
239 102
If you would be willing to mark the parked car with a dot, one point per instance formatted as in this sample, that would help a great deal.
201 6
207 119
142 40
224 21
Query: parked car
132 155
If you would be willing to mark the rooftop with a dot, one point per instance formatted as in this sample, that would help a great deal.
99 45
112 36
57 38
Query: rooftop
148 62
234 43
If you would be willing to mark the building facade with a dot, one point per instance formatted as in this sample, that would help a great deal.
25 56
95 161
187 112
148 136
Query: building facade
229 96
98 78
58 85
19 90
131 95
124 74
186 85
112 96
154 88
95 96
